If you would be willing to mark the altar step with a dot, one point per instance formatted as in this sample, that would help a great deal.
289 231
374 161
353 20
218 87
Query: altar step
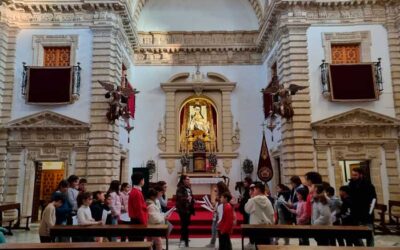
200 226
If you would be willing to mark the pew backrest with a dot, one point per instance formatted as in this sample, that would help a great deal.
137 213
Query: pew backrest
79 246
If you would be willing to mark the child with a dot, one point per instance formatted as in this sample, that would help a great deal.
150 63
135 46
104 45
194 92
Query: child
300 211
115 205
124 194
49 217
156 217
302 217
321 213
225 226
85 215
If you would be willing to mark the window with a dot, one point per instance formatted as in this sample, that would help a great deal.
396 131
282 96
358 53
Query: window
57 56
347 72
52 78
345 53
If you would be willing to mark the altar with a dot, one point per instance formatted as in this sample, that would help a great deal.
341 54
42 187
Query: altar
205 183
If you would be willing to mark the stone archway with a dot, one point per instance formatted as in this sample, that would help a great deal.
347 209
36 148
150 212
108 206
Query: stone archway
212 86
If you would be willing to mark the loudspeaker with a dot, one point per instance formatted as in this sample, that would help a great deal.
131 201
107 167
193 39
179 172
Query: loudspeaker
145 172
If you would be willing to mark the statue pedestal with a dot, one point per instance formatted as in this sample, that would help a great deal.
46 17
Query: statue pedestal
199 162
205 183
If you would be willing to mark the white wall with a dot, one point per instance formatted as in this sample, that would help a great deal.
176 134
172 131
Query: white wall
197 15
150 103
322 108
24 53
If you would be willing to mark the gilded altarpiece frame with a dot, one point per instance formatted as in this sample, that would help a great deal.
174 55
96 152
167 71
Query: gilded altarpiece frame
183 88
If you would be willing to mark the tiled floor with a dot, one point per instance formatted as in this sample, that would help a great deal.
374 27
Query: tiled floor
32 236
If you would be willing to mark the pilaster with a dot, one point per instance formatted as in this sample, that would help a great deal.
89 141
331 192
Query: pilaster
297 143
7 56
393 29
104 153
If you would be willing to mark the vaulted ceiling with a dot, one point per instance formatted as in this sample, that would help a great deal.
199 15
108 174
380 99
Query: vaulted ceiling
256 4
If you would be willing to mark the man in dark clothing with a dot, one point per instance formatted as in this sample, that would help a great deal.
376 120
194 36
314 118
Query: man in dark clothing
184 206
362 194
246 196
346 215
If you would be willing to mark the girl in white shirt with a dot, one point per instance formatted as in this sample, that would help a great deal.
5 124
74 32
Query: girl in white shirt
156 217
85 215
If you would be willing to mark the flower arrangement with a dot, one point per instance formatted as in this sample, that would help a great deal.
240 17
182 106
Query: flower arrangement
212 159
151 165
248 166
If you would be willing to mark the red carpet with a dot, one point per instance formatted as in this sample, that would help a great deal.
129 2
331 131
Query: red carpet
200 226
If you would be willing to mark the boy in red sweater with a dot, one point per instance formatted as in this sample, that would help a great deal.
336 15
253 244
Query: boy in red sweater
137 207
225 226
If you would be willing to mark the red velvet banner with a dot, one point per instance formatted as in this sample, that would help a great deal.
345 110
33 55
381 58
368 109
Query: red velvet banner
264 171
51 85
352 82
132 102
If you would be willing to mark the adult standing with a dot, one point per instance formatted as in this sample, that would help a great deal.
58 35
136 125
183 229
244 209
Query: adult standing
184 206
362 193
136 205
246 196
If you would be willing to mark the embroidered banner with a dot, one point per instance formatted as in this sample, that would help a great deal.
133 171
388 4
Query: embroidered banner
264 171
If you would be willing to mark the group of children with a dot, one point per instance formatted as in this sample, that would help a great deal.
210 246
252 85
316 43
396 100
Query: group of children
71 203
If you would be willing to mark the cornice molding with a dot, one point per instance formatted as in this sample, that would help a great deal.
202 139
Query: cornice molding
32 13
282 13
190 48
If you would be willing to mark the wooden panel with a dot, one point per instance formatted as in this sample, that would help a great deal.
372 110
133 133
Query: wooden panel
49 183
57 56
345 53
270 247
80 246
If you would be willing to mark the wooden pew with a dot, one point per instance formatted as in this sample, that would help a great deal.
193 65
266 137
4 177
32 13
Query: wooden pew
11 206
305 231
110 231
264 247
79 246
394 217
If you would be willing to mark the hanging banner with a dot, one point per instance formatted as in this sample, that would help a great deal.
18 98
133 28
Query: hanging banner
264 171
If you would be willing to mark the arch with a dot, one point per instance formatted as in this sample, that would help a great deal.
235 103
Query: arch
205 127
256 4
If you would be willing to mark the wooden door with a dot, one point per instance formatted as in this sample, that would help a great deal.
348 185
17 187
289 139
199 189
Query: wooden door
345 53
36 191
49 183
57 56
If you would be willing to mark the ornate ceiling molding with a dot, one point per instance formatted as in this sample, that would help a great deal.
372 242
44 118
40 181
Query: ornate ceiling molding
191 48
117 13
308 12
256 4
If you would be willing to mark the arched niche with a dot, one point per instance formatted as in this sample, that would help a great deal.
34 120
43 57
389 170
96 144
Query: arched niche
212 88
198 119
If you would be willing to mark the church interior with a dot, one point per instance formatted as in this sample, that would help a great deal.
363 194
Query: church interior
256 96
